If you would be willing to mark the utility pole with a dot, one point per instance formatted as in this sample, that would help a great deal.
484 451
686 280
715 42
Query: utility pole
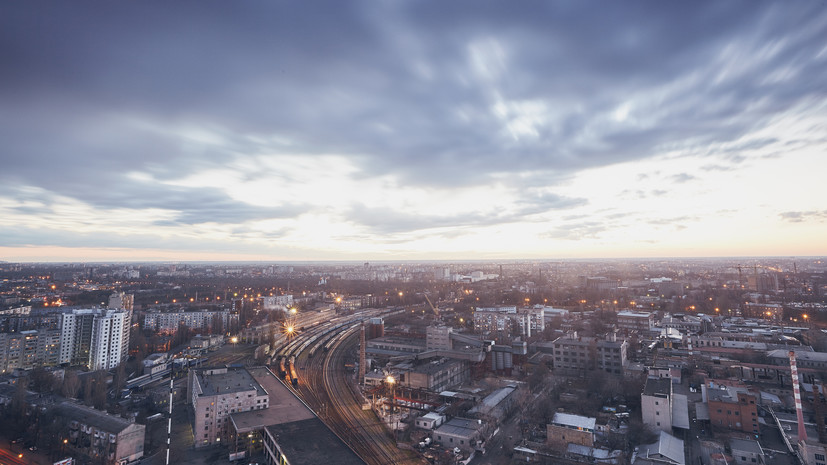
169 420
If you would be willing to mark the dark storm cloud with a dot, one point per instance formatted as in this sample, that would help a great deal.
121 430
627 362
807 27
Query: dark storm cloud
434 93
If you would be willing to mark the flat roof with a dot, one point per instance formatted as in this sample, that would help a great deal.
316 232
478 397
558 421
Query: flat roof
680 411
283 405
310 442
746 446
657 386
464 427
233 380
576 421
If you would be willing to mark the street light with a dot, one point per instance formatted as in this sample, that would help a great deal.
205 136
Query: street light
391 381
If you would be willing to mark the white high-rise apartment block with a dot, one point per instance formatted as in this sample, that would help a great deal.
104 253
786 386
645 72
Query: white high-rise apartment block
122 301
93 337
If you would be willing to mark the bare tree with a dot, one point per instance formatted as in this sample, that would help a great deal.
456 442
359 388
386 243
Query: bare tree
71 384
99 390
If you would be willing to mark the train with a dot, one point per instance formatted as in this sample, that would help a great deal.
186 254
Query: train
294 378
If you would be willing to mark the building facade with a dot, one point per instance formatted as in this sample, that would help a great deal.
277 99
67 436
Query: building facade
573 353
733 408
510 320
102 437
656 404
93 338
29 349
566 429
217 393
168 322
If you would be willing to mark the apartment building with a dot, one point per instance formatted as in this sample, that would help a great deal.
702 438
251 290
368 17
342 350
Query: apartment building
573 353
29 349
510 320
216 394
168 322
101 437
93 337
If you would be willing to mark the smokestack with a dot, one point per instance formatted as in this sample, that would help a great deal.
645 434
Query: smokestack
802 434
362 354
819 412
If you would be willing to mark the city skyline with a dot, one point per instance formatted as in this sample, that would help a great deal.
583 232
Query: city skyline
412 131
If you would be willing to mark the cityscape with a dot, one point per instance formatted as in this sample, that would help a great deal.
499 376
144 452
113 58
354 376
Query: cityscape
413 232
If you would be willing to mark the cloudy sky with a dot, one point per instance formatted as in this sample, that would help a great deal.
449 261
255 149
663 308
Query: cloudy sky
412 130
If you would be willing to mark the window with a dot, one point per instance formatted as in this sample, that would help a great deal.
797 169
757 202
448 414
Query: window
820 457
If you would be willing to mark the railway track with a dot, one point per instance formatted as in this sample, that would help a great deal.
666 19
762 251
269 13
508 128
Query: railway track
327 387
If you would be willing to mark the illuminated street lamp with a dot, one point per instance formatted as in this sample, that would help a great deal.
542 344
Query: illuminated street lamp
391 383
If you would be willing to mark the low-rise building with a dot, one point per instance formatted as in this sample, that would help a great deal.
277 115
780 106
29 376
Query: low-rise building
732 408
566 429
635 321
668 450
746 452
463 433
430 420
434 375
102 437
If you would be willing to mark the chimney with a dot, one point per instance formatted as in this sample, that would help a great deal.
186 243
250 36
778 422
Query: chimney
802 433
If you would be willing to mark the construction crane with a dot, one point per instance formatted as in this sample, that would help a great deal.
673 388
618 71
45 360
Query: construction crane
433 307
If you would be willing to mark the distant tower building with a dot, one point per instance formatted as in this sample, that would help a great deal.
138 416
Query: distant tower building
126 302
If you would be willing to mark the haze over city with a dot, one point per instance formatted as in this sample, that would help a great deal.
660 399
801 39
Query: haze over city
412 130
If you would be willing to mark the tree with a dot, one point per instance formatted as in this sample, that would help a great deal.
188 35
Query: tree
99 390
119 380
43 381
538 377
87 390
71 384
640 433
18 400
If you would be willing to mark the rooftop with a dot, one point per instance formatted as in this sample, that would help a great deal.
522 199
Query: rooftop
283 405
575 421
310 442
460 427
745 445
668 446
661 386
89 416
229 381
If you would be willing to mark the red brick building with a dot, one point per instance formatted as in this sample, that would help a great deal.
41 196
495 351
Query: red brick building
733 408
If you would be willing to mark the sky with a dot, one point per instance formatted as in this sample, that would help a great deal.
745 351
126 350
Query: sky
392 130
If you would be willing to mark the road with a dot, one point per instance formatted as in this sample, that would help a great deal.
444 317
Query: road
11 458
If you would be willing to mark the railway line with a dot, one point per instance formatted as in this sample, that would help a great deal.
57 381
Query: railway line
313 365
